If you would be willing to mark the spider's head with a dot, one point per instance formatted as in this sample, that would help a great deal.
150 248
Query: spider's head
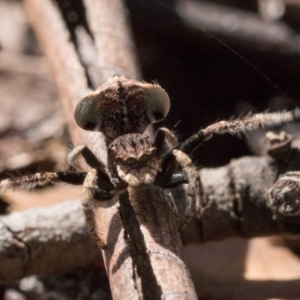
122 106
135 159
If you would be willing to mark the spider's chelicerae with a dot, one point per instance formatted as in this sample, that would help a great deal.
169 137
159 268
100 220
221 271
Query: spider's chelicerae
122 109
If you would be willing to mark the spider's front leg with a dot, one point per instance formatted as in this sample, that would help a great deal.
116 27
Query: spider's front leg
165 142
169 176
91 192
239 127
97 185
30 182
103 188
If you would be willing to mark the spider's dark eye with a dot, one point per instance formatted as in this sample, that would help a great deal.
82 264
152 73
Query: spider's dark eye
153 151
131 161
87 113
144 158
118 161
158 103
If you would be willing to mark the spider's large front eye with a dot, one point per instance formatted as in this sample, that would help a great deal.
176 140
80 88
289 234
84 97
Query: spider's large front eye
158 103
118 161
131 161
88 114
144 158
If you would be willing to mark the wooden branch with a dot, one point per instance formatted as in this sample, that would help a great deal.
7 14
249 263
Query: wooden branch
292 2
96 46
252 196
239 25
238 205
44 241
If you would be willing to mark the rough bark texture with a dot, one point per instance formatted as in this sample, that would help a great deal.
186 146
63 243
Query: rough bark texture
44 241
238 198
237 194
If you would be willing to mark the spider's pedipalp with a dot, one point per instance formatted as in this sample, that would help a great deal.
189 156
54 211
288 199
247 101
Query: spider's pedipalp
240 126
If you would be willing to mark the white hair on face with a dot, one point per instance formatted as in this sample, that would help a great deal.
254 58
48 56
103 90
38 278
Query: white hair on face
144 176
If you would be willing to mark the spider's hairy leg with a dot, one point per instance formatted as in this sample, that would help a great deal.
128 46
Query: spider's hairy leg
194 190
92 160
30 182
72 177
168 141
239 127
164 142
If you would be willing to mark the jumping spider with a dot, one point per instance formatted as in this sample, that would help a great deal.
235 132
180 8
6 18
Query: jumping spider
122 109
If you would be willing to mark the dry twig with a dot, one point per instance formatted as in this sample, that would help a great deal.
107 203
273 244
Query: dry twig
31 243
239 25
